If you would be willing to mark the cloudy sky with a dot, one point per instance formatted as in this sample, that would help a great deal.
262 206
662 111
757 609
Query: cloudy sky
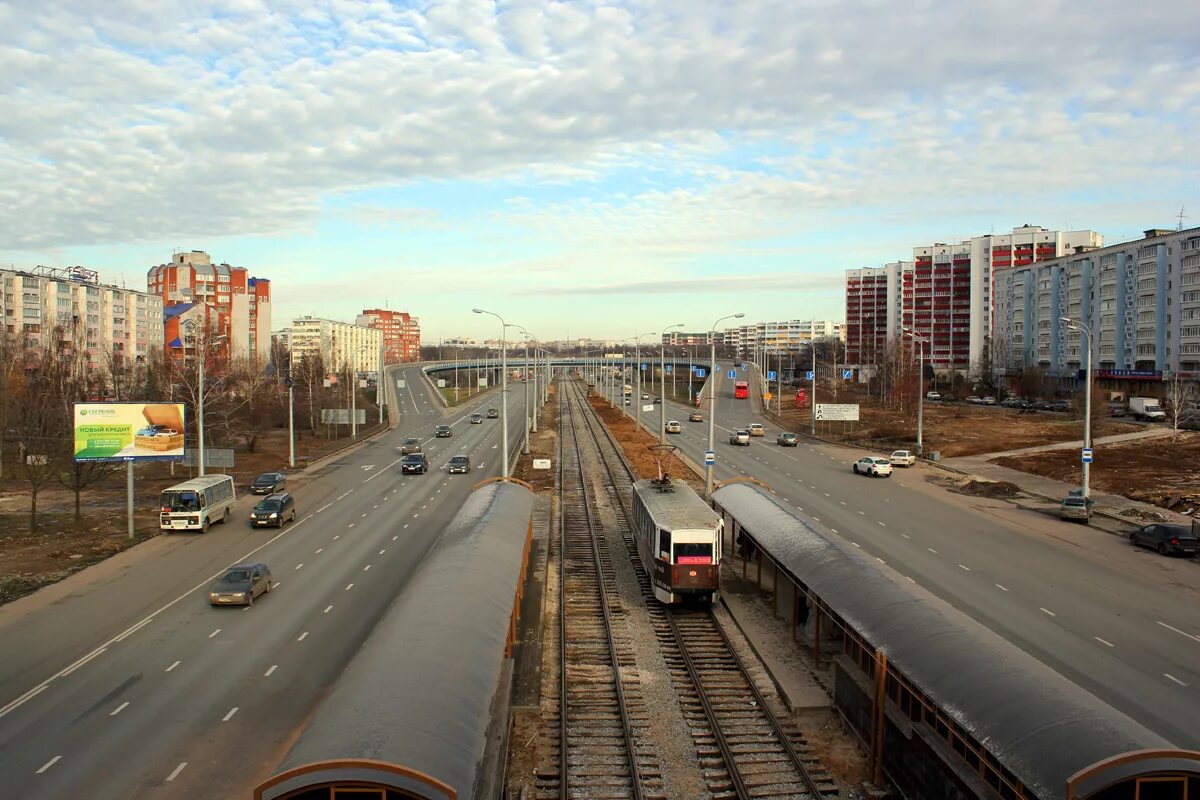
584 168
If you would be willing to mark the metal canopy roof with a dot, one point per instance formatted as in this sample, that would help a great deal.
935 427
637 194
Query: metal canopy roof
1038 724
419 693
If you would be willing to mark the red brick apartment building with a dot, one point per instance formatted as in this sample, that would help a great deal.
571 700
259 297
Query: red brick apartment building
401 333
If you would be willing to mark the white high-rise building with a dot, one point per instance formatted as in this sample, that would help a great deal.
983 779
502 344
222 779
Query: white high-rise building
342 345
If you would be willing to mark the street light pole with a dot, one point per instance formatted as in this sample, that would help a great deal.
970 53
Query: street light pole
637 357
503 389
1085 487
662 401
920 340
712 398
192 325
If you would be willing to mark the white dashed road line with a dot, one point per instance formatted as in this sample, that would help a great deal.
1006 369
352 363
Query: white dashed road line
119 709
229 716
271 669
175 772
1103 642
1176 630
214 633
173 666
302 637
49 764
964 567
1171 677
1047 611
1001 588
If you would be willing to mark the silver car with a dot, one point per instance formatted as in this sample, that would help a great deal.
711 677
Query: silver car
740 437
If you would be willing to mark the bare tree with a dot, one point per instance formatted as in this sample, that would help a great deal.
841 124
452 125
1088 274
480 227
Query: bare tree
40 426
1180 395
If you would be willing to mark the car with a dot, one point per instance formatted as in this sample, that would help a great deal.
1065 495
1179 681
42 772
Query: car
409 447
493 413
459 465
695 416
786 439
240 584
756 429
658 401
933 396
645 397
443 432
975 399
268 483
1043 405
988 401
673 426
1167 539
1060 406
740 437
414 463
274 511
477 419
628 402
873 466
904 458
1076 507
1116 410
157 430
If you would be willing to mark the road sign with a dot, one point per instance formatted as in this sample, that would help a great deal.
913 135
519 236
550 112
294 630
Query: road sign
441 383
541 463
808 376
744 367
400 383
837 412
732 374
1087 455
710 458
668 369
644 367
847 374
700 373
771 375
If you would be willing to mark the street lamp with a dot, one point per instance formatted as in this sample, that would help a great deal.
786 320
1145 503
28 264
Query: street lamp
710 456
662 365
920 339
525 377
191 325
1076 325
503 389
637 357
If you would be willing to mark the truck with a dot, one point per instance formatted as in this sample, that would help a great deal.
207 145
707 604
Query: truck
627 390
1146 408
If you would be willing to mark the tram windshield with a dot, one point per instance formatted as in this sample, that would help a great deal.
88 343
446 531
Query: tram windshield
693 553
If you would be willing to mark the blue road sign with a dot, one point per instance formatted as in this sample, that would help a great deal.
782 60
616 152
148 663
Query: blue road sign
771 375
847 374
668 369
732 374
700 373
743 367
1087 455
644 367
808 376
710 458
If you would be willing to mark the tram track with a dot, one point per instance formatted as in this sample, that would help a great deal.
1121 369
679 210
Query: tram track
600 710
744 749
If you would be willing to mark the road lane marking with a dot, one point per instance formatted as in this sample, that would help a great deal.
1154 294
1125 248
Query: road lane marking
349 586
364 516
344 494
133 629
229 716
77 665
964 567
173 666
1176 630
863 513
1001 588
119 709
930 549
906 536
351 525
214 633
327 609
302 637
405 525
49 764
175 772
910 579
271 669
856 544
1047 611
301 564
367 567
319 551
1103 642
880 560
1173 678
322 508
880 524
384 550
394 538
337 536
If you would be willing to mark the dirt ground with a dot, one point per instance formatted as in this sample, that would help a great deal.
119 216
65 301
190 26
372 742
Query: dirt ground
1161 472
955 429
60 546
542 444
639 446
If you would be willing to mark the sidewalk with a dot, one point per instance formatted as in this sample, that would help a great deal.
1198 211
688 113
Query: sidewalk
1112 512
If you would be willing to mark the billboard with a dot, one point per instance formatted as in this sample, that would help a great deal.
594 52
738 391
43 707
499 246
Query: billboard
834 412
128 431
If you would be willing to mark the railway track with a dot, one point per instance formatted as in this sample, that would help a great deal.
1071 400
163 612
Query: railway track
744 749
600 709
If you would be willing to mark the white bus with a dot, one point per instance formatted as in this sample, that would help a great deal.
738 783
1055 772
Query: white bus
196 504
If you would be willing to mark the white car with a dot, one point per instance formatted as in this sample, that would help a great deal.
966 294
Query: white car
903 458
988 401
974 399
756 429
932 396
873 466
674 427
740 437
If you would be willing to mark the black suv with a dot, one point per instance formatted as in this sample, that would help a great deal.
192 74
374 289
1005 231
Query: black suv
268 483
459 464
443 432
414 462
273 511
493 413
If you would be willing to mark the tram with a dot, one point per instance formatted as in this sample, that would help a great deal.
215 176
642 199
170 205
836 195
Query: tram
678 539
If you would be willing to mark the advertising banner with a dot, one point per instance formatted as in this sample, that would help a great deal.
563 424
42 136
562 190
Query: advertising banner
837 412
128 431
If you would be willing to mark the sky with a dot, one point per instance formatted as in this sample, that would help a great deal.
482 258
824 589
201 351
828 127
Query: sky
599 169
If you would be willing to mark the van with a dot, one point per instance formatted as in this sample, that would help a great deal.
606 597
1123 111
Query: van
196 504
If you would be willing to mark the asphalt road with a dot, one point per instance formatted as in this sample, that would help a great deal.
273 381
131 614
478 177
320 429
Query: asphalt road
1119 622
126 683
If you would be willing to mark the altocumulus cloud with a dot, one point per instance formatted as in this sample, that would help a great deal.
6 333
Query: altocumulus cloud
131 120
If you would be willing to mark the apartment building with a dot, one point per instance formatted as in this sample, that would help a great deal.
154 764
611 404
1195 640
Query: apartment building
240 304
71 311
1141 300
782 336
873 306
401 333
947 296
341 345
682 339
